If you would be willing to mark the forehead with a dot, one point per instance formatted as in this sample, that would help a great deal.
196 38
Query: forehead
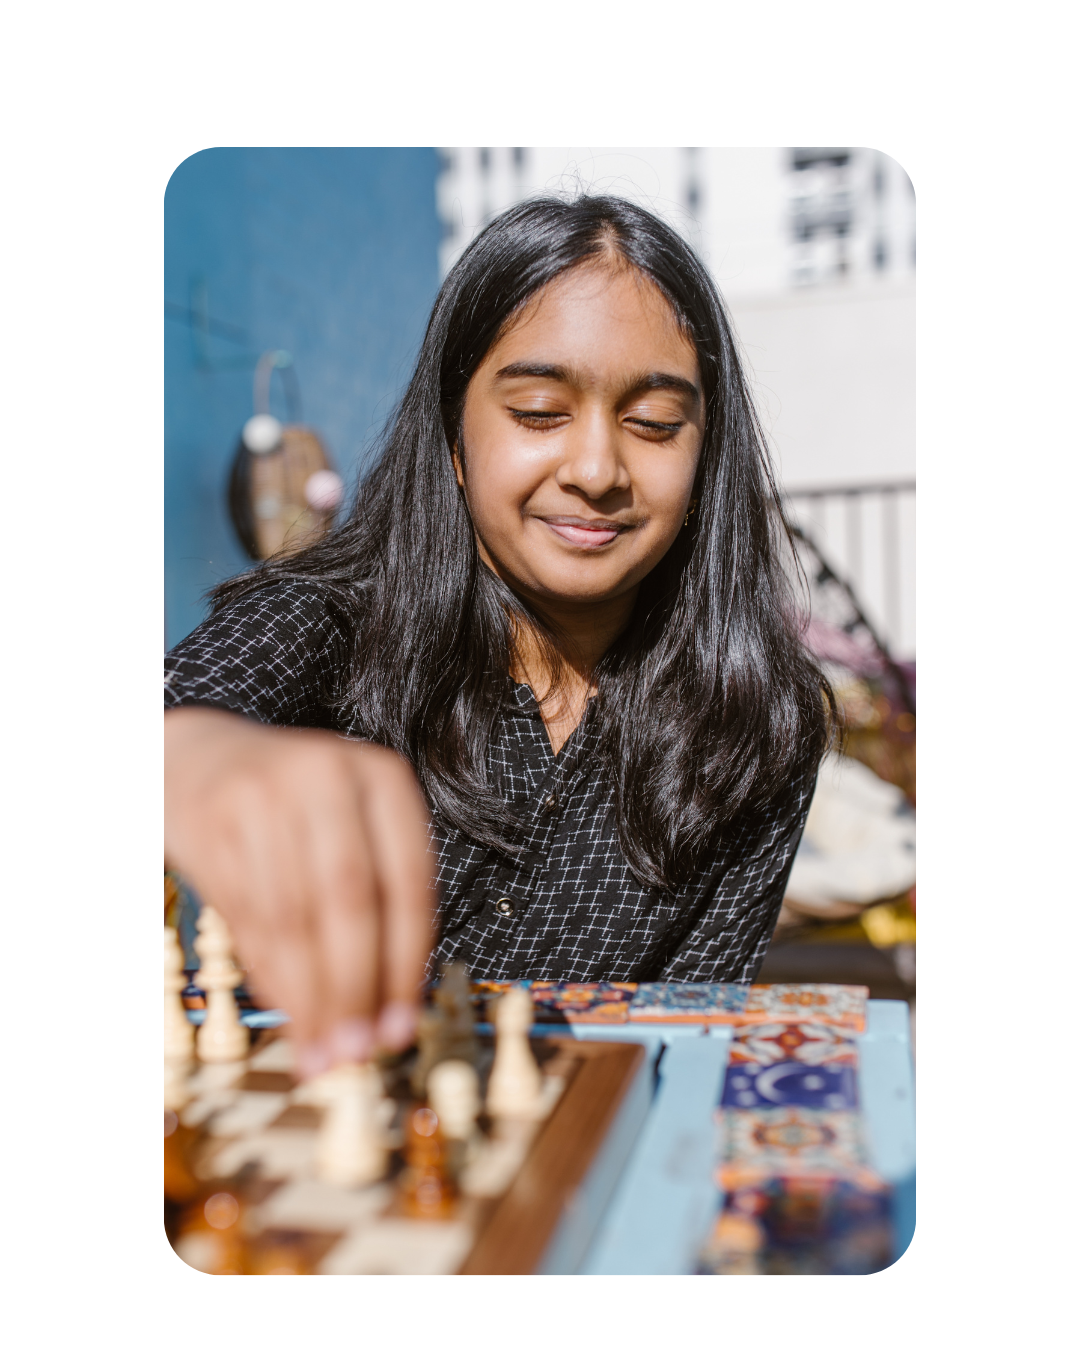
599 315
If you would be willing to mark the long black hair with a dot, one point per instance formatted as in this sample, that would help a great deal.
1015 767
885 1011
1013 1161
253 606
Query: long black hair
709 708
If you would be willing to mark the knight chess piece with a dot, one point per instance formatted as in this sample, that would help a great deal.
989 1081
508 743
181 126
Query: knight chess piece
222 1038
446 1030
515 1085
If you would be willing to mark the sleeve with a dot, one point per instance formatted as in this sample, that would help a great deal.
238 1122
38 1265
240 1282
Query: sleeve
275 655
728 937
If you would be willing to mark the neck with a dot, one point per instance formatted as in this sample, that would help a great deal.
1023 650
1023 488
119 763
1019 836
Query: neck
584 634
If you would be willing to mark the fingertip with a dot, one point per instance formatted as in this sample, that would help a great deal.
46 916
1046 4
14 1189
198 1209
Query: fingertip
312 1059
352 1041
397 1025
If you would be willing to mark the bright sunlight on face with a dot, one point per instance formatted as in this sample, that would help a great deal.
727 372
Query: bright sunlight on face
582 431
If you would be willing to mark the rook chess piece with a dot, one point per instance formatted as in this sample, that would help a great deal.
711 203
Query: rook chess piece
447 1029
514 1088
222 1036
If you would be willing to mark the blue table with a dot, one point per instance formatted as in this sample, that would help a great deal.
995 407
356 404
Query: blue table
650 1200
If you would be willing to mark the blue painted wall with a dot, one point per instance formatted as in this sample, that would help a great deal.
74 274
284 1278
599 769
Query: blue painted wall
330 255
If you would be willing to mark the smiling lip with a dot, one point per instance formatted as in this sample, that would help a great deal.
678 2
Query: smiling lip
583 533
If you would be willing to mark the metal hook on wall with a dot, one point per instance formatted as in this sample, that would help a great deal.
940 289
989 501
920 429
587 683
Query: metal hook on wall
267 363
262 431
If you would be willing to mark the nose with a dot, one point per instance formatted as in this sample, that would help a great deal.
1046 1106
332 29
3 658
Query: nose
591 460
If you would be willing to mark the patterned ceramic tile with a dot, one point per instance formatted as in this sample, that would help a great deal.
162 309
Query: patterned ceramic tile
670 1002
841 1005
806 1042
829 1087
789 1141
809 1225
606 1002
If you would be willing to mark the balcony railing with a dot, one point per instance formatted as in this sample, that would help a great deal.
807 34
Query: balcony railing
866 534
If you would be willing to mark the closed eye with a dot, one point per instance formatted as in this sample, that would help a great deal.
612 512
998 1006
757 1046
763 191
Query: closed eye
536 419
659 430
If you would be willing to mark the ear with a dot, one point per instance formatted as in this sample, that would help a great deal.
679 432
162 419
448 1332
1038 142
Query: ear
457 466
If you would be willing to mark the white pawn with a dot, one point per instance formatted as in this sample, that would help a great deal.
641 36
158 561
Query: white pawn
351 1147
515 1085
179 1033
454 1094
222 1036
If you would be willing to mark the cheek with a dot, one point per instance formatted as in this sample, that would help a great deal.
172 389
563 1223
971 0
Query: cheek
665 490
500 475
495 488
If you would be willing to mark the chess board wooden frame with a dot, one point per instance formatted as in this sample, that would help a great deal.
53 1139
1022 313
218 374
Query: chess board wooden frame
519 1230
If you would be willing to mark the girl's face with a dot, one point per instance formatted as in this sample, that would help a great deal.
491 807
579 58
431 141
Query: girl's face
582 430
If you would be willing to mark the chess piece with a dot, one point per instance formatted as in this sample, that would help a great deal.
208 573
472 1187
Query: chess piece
515 1085
177 1084
447 1029
352 1146
179 1033
222 1036
427 1191
454 1096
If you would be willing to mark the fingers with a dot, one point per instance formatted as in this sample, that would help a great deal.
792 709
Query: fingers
316 852
398 833
346 906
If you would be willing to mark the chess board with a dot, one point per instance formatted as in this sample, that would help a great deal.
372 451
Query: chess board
243 1197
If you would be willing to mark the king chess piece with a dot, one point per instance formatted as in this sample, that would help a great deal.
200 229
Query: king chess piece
446 1030
515 1086
222 1037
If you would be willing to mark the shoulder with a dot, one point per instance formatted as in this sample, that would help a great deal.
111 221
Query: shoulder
276 653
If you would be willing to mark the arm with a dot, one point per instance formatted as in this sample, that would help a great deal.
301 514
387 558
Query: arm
314 848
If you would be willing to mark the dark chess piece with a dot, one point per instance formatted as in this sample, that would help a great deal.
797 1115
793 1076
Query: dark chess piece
446 1030
427 1191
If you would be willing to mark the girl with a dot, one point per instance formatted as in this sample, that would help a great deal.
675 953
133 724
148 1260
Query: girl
557 619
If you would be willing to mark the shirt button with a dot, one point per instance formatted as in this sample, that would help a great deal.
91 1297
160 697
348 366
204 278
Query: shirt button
505 905
550 802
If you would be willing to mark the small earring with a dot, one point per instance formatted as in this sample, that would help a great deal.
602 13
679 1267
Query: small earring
693 508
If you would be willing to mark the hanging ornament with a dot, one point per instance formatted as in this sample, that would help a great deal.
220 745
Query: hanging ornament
283 492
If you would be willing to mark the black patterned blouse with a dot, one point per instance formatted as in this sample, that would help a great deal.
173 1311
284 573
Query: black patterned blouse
569 908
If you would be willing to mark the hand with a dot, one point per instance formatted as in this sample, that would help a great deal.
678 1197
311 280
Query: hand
315 851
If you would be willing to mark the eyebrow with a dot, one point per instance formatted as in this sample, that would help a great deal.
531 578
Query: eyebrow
655 379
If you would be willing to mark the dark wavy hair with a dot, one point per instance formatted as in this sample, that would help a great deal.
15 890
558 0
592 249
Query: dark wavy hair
709 707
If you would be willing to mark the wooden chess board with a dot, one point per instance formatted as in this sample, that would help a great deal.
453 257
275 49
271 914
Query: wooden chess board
242 1195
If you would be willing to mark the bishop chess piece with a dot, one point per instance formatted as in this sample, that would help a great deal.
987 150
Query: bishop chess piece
222 1037
351 1149
447 1030
516 1083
